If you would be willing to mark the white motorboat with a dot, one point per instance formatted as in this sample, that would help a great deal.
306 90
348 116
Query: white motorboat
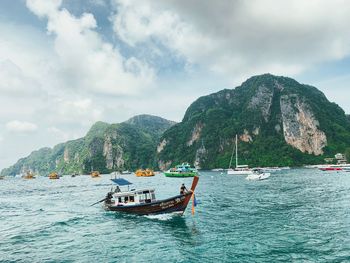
258 175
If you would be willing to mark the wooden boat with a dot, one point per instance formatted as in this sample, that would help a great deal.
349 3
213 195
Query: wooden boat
54 175
29 175
144 173
144 202
183 170
95 174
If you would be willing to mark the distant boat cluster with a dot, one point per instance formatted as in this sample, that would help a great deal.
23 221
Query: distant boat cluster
331 167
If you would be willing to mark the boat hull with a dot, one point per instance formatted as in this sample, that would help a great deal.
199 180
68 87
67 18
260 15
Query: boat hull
258 177
176 204
175 174
331 169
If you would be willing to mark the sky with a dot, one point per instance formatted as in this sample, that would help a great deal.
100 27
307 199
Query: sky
65 64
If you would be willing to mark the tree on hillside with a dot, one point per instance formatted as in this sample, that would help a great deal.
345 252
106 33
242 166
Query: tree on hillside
347 154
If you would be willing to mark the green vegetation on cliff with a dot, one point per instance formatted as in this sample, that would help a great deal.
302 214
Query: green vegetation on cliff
279 121
106 147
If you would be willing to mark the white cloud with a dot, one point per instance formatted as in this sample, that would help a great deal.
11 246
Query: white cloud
14 82
240 38
21 126
61 135
86 61
44 8
83 110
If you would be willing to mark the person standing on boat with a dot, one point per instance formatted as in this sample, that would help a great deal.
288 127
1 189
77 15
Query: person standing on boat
183 189
108 198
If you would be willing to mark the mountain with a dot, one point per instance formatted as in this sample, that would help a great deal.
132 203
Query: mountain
278 120
106 147
149 123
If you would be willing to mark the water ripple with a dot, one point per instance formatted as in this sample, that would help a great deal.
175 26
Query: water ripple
295 216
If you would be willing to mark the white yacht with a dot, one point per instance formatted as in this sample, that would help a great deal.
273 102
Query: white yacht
239 169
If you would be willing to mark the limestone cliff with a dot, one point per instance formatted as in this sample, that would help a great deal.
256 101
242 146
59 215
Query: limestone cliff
301 129
278 121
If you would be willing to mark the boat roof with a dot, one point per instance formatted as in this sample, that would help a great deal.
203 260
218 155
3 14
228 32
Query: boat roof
183 164
134 191
121 181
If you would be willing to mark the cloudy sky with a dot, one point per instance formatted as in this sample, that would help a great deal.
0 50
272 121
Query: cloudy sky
65 64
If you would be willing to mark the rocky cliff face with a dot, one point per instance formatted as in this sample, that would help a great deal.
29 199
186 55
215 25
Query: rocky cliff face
278 120
301 128
262 101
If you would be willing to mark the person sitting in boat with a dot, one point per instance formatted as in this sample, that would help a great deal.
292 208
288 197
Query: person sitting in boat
117 189
183 189
109 198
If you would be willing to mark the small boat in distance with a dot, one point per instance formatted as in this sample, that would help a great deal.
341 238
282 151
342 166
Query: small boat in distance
28 175
183 170
54 175
95 174
144 173
240 169
331 169
258 175
144 202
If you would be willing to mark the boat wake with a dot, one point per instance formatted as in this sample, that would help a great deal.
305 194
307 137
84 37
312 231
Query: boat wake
163 217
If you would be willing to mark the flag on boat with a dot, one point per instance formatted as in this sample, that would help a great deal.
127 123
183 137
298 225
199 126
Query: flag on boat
194 202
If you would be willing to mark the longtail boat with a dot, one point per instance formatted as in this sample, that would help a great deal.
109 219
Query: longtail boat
54 175
29 175
144 202
95 174
144 173
183 170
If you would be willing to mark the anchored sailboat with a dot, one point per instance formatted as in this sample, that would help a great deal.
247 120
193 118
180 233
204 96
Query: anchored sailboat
240 169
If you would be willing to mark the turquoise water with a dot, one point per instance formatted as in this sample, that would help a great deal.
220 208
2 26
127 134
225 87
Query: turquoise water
296 215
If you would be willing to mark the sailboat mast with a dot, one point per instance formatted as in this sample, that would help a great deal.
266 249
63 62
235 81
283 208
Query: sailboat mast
229 166
236 152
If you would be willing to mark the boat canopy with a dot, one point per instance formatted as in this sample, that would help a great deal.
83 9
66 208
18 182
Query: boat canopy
121 181
135 192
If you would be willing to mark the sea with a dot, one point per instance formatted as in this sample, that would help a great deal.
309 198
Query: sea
297 215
